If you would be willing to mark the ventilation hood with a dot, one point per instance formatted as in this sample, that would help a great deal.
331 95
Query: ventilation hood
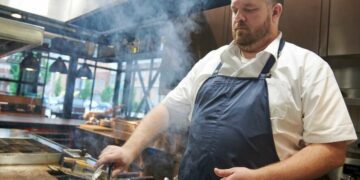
18 36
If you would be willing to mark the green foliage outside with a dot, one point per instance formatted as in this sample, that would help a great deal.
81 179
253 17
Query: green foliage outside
15 72
43 71
86 92
58 88
107 94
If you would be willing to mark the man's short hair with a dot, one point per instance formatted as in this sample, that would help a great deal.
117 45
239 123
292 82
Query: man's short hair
277 1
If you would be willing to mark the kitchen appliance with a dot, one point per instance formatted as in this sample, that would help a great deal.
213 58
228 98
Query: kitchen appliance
19 148
347 72
349 171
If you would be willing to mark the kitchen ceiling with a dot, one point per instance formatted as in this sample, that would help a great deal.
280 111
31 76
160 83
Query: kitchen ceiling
91 20
91 14
62 10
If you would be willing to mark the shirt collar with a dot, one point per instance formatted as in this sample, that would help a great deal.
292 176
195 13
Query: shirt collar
272 48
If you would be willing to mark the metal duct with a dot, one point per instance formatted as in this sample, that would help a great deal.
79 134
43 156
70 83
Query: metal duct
17 36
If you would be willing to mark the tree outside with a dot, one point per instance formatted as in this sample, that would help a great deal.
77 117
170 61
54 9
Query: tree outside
86 92
107 94
14 71
58 88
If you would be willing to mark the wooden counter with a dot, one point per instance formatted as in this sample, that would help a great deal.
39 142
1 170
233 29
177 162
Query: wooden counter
109 133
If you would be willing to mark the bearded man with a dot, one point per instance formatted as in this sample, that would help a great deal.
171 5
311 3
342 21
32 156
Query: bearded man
260 108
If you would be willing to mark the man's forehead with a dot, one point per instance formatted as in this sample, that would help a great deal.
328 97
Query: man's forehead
247 2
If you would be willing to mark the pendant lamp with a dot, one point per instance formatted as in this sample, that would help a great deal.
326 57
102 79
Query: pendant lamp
84 72
59 66
30 63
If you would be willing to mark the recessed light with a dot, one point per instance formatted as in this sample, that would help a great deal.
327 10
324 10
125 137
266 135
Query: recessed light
16 15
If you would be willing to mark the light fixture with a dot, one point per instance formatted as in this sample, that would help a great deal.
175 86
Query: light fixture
16 15
30 63
84 72
59 66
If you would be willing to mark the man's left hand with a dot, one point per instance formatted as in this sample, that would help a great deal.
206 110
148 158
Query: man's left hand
237 173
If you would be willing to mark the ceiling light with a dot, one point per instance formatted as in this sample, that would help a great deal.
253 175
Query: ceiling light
16 15
30 63
84 72
59 66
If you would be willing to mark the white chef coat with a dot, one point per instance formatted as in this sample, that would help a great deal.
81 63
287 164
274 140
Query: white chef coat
306 105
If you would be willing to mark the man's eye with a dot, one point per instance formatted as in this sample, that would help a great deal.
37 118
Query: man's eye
250 10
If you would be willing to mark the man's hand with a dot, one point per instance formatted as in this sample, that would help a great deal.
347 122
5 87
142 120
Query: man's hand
117 155
237 173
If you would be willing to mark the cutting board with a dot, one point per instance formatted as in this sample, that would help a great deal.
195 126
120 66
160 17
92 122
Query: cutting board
95 127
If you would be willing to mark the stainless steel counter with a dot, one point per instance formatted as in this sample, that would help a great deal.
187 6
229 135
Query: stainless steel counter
20 147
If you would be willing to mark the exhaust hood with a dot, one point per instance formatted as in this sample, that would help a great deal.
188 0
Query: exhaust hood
18 36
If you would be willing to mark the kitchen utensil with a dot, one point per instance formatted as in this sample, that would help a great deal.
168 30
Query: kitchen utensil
97 172
109 171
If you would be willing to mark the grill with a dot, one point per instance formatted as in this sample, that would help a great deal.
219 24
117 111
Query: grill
21 148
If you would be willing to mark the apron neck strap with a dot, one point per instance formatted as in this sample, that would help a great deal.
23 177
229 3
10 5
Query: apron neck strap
271 61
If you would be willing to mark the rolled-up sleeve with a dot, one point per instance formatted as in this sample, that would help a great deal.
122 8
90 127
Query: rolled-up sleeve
326 118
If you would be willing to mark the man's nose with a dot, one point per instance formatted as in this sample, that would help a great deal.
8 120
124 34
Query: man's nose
239 17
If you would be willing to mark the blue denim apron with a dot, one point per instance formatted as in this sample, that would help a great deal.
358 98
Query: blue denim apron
230 125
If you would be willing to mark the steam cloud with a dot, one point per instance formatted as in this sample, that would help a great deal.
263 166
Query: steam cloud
166 22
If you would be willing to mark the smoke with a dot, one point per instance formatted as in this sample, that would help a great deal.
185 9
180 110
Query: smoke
163 26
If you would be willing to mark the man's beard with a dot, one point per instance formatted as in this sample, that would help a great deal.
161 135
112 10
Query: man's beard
245 38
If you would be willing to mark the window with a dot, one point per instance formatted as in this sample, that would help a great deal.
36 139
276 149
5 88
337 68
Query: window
143 93
95 94
55 86
82 95
9 74
16 81
103 89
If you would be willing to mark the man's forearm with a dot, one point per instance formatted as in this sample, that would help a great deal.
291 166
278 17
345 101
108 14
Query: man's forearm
309 163
155 122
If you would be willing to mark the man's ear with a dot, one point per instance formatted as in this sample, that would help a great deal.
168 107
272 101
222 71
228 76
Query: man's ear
276 12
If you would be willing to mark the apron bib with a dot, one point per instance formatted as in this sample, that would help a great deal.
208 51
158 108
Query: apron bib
230 125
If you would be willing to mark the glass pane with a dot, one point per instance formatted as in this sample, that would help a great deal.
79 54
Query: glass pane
82 95
9 66
157 62
137 96
123 65
8 88
103 90
89 62
43 71
56 55
31 90
121 89
154 94
145 89
108 65
29 76
55 91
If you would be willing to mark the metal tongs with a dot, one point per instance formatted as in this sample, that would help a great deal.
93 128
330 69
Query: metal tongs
99 171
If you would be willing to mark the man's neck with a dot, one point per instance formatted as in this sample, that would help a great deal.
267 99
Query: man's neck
250 51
